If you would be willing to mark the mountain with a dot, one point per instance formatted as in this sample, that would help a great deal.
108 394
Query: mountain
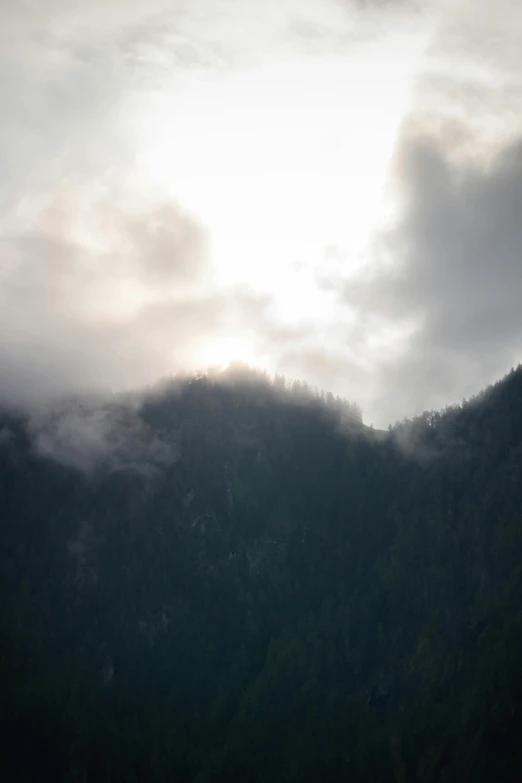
232 578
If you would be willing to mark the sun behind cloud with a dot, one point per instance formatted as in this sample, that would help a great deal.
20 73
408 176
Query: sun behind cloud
221 352
282 159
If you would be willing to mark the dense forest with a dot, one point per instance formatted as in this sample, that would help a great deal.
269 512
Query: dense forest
231 578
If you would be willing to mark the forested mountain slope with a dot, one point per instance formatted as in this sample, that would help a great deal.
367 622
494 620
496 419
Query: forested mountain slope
225 579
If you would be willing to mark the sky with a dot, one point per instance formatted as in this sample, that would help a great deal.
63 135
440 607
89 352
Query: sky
327 189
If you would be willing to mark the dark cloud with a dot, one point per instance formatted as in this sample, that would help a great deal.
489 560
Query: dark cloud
455 277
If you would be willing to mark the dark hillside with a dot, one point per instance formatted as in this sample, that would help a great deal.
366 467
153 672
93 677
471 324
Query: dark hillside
227 579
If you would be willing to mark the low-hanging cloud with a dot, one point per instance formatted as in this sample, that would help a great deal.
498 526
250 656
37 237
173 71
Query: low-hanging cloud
102 436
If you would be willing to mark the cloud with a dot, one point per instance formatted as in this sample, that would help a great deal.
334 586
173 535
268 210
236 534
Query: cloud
106 283
102 436
471 70
455 277
102 296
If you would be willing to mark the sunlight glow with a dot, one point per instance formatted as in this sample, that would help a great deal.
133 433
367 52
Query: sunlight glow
222 352
282 162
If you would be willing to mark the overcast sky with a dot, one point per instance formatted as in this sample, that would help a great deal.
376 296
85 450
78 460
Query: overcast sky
331 189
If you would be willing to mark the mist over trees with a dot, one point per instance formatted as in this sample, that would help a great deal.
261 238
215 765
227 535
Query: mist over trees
231 578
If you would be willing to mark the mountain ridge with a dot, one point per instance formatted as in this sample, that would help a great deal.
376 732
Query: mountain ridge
245 582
